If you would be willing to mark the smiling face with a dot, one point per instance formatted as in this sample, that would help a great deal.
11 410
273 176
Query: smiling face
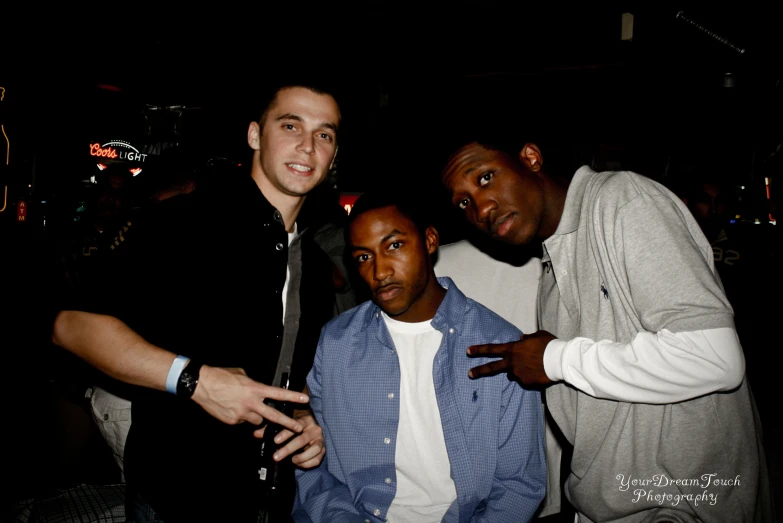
394 258
298 142
500 195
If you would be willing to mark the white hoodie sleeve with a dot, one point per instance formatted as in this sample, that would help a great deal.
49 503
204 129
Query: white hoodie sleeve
658 368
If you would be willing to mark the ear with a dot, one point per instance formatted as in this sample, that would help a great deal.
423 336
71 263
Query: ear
432 238
254 136
531 157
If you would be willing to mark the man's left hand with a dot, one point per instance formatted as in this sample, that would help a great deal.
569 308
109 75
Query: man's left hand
522 360
311 439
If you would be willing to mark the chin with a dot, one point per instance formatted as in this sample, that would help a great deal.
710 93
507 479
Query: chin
395 311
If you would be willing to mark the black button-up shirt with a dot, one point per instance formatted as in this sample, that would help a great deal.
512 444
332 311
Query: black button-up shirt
205 279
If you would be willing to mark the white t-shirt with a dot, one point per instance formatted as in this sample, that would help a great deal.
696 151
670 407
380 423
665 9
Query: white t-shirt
425 489
291 236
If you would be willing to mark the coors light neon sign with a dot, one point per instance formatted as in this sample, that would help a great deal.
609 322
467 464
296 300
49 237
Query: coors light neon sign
117 150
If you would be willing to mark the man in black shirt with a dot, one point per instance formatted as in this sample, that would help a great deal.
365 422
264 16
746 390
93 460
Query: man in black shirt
207 308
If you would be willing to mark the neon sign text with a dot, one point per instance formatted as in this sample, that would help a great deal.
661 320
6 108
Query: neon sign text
96 150
123 151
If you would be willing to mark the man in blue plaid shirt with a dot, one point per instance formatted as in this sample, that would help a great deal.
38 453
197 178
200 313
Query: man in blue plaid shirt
409 436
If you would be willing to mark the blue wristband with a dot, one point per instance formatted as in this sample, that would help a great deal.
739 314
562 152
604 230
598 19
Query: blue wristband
176 369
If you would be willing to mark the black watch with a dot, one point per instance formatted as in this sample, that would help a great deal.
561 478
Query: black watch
188 379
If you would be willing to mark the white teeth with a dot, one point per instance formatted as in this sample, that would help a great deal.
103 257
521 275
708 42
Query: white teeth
300 168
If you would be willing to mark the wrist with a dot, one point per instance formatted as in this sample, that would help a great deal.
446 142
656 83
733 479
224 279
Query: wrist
198 394
175 371
553 359
189 379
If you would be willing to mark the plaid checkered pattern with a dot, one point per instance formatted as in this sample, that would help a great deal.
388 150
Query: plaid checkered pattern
81 504
493 428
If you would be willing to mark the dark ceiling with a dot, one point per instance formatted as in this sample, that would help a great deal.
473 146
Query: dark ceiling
407 72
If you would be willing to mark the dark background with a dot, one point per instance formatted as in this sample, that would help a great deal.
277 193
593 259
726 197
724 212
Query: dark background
679 95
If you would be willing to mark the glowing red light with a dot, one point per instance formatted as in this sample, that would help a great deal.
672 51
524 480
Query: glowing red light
95 150
108 87
135 170
347 201
101 166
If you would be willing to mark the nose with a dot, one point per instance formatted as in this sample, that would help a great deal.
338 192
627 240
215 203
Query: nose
484 208
306 145
382 270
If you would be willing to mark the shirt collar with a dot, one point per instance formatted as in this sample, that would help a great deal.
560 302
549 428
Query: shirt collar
246 192
569 221
450 313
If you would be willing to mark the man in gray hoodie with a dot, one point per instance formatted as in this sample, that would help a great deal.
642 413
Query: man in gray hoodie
643 369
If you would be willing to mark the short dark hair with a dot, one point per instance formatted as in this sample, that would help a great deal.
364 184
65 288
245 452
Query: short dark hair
269 95
417 211
560 159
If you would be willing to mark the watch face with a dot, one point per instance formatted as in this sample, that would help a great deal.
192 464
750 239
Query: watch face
189 382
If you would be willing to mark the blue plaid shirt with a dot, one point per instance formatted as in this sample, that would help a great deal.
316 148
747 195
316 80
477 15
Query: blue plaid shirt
494 429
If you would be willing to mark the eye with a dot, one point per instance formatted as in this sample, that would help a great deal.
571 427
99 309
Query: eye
289 127
463 204
485 178
395 245
325 136
362 258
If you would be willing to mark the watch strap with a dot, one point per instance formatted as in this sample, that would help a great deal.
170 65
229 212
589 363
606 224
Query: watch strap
188 379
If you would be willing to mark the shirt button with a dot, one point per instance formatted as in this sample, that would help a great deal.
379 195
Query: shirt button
451 331
105 417
377 512
366 521
565 273
387 441
376 314
388 481
391 395
279 246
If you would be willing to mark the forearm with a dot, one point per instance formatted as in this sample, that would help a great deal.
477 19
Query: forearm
656 368
112 347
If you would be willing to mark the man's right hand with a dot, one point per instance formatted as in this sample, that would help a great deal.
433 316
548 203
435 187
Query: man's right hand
230 396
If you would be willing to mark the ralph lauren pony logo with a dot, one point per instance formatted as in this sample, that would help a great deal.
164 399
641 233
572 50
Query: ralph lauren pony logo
604 291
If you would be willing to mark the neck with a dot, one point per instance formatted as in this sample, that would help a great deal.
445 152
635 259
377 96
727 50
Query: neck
555 189
288 205
427 304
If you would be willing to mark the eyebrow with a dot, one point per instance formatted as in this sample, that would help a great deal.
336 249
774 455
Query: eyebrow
393 233
385 238
291 116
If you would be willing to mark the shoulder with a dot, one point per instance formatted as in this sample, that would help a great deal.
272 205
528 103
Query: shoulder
622 185
348 323
487 324
614 192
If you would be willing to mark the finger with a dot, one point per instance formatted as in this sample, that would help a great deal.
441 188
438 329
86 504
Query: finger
275 416
310 457
260 432
253 418
490 349
489 369
284 435
276 393
292 446
313 462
